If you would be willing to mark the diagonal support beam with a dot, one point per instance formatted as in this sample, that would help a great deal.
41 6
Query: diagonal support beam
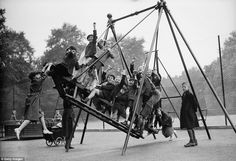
186 70
142 81
200 68
123 62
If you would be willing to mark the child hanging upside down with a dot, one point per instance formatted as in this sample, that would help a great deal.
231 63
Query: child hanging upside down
165 121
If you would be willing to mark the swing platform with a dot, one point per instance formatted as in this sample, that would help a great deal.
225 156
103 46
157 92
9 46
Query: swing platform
101 116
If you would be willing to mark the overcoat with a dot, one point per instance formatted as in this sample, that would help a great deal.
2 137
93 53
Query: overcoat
188 117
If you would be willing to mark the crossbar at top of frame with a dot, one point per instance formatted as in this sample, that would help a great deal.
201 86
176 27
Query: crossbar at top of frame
156 6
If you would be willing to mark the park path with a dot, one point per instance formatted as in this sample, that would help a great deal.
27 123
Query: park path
107 146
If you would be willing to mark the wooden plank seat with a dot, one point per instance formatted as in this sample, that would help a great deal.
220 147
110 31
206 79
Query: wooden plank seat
59 86
108 103
101 116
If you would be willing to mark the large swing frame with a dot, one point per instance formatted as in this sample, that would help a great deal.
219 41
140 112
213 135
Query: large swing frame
160 6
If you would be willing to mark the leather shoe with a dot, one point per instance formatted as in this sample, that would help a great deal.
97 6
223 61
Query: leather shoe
190 144
70 147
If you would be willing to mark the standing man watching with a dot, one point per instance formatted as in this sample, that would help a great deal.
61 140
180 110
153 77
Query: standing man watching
188 117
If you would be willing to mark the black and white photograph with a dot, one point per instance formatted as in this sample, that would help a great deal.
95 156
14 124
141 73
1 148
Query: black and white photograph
117 80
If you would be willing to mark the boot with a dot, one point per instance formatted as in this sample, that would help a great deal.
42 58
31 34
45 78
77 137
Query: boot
142 127
191 141
190 144
194 138
68 146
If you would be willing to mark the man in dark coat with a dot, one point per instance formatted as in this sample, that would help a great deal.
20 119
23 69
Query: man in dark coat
188 117
61 74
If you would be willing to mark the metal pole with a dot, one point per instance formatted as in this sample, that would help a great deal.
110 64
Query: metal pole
156 54
73 130
170 101
186 71
123 62
222 77
111 48
171 97
141 84
135 13
85 127
157 58
207 80
169 76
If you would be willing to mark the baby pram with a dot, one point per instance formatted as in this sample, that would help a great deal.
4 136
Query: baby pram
56 138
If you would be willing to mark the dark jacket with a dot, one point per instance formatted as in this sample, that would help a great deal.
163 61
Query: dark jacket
118 87
166 120
122 98
156 79
132 94
61 77
91 50
106 91
36 85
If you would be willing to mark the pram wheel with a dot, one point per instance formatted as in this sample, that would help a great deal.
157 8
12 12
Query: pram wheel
58 141
49 142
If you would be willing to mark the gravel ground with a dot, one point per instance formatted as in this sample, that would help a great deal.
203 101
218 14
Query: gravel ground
107 146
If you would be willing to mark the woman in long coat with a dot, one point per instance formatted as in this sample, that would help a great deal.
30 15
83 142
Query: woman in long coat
188 117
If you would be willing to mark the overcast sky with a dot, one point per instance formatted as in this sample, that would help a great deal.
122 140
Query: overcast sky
199 20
